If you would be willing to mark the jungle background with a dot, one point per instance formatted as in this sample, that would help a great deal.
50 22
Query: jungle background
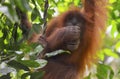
18 59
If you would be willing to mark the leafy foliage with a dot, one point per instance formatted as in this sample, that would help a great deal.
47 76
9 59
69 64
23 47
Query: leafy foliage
18 59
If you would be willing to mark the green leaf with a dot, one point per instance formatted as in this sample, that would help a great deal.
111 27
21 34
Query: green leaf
33 75
77 2
118 27
10 12
117 46
42 62
54 53
30 63
35 14
23 5
37 75
114 29
40 2
1 34
103 72
111 74
6 76
101 55
18 65
109 52
36 28
25 75
112 1
39 48
119 71
50 13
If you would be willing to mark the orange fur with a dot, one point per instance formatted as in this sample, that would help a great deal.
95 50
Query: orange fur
72 66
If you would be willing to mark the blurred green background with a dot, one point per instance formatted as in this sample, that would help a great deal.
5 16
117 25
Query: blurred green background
18 59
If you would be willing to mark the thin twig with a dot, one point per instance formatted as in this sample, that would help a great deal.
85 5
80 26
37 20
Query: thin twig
45 16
